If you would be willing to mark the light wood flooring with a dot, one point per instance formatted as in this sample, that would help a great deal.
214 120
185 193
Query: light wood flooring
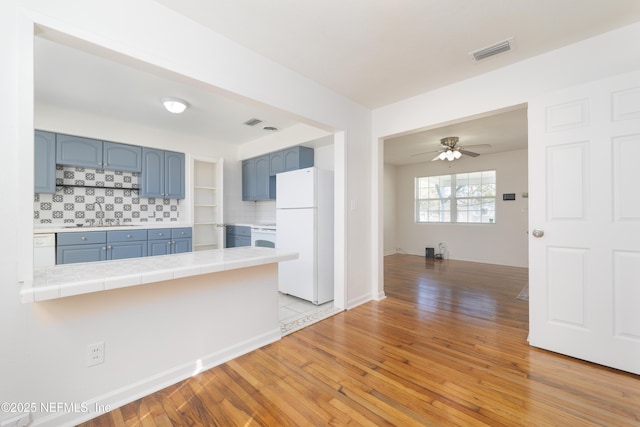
447 347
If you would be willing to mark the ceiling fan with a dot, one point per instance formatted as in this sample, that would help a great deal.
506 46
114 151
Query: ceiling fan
450 151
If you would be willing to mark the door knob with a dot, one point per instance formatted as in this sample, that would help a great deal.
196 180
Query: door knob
537 232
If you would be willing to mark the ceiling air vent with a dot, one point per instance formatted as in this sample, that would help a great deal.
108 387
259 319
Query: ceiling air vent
494 49
252 122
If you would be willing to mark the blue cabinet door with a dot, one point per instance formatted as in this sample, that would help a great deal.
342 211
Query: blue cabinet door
123 250
122 157
162 174
174 175
255 178
77 151
159 247
276 162
44 162
152 177
262 178
81 253
123 244
298 158
237 236
248 180
180 246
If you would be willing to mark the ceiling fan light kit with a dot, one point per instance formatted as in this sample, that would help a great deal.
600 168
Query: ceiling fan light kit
450 151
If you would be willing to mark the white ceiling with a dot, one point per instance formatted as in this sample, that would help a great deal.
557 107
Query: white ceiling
70 78
505 131
374 52
377 52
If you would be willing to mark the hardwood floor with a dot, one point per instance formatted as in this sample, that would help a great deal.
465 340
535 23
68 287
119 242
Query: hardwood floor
447 347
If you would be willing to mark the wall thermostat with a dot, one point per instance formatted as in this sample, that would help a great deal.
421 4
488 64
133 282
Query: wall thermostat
509 196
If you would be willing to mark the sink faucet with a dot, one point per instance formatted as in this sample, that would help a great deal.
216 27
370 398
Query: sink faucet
101 216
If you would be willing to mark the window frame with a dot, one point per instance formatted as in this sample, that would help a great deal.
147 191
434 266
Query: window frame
447 203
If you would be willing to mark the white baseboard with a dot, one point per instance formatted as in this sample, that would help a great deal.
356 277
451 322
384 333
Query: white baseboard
119 397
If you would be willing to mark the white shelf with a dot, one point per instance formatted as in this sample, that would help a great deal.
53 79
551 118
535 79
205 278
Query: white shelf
206 204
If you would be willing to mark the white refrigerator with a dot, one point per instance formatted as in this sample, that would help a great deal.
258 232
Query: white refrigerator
304 224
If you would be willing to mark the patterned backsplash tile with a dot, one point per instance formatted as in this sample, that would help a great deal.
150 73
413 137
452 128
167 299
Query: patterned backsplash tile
111 195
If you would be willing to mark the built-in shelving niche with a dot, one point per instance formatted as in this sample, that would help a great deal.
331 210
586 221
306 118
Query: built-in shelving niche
207 204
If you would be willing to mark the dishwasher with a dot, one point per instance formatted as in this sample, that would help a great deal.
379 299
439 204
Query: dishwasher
44 250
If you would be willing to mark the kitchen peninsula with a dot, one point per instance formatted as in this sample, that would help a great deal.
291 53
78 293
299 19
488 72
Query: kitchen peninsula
75 279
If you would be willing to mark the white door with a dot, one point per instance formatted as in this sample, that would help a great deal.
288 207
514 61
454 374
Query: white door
584 176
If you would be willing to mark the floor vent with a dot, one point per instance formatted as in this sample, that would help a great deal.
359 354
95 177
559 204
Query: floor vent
503 46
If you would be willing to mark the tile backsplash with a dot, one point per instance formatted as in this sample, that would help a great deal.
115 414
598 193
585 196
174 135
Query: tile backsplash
83 194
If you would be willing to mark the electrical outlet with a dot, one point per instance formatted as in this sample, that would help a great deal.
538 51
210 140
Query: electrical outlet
95 353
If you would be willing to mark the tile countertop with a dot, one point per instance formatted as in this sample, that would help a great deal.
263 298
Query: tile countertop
61 228
75 279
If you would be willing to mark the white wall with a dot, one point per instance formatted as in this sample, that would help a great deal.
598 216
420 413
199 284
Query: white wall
504 242
43 346
504 88
390 208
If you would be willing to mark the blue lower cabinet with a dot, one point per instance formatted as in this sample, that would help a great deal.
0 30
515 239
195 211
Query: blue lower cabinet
238 235
124 244
127 250
121 244
159 247
81 247
70 254
169 241
180 246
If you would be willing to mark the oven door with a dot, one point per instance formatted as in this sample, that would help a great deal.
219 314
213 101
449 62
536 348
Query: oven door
263 237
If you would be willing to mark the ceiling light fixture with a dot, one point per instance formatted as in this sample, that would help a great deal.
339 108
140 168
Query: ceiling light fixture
175 105
450 155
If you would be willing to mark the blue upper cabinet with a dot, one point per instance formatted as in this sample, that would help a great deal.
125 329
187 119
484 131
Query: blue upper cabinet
152 177
255 178
248 179
298 158
44 162
93 153
290 159
262 178
162 174
174 172
122 157
77 151
276 162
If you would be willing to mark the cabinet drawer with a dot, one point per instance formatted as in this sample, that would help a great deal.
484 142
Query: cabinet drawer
178 233
161 233
87 238
126 235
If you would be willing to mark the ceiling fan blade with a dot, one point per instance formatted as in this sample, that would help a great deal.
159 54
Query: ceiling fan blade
477 146
468 153
436 157
424 152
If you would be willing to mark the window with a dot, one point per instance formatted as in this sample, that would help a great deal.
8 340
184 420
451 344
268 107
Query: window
463 197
